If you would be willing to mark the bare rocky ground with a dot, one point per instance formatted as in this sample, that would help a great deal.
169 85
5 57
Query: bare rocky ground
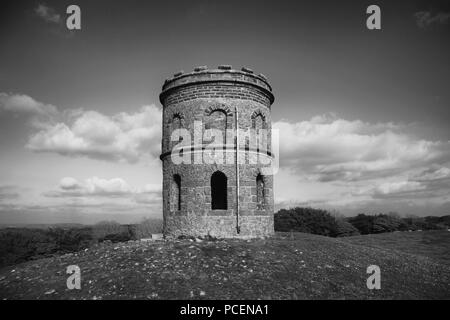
287 266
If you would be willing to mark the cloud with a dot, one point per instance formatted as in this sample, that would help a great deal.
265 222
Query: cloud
48 14
8 193
426 19
397 187
20 105
97 187
352 165
23 104
329 149
122 137
69 183
434 173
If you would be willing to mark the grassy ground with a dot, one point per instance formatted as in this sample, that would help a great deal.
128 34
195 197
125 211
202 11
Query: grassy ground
287 266
434 244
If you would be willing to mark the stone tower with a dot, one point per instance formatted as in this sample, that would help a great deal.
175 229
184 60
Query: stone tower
200 193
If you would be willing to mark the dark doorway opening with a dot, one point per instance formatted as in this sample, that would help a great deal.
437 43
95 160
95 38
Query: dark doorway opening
219 191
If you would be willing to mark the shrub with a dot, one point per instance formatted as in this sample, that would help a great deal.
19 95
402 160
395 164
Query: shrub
19 245
367 224
345 229
147 227
380 223
307 220
362 222
70 240
118 237
22 244
384 223
104 228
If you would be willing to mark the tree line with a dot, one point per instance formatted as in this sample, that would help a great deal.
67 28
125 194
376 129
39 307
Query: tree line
322 222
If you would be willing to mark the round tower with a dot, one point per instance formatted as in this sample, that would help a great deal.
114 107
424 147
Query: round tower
208 187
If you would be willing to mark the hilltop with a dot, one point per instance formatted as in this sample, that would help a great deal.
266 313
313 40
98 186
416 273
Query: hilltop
287 266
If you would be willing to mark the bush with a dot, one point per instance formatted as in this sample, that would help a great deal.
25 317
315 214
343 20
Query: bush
362 222
147 227
384 223
118 237
70 240
22 244
345 229
104 228
367 224
307 220
18 245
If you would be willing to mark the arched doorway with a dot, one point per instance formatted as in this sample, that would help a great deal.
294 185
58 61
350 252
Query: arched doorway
219 191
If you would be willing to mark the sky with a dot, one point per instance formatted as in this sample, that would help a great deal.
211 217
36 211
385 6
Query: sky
362 114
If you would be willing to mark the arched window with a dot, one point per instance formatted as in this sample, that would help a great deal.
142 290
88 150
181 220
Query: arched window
259 124
260 199
177 124
218 191
217 119
176 193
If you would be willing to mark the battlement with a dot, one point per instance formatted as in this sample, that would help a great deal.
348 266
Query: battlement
223 74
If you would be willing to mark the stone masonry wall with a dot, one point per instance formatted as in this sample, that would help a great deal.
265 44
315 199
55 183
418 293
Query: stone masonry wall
196 100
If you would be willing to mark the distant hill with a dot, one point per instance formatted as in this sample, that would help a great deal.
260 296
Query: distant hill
287 266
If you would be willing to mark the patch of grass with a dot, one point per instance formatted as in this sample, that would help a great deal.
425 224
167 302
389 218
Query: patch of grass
286 266
434 244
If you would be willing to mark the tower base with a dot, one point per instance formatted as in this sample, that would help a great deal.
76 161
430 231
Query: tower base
218 226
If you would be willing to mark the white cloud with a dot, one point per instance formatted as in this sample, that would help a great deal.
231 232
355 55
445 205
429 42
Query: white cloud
425 19
21 103
335 163
69 183
397 187
330 149
94 186
99 187
151 188
47 13
122 137
433 173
